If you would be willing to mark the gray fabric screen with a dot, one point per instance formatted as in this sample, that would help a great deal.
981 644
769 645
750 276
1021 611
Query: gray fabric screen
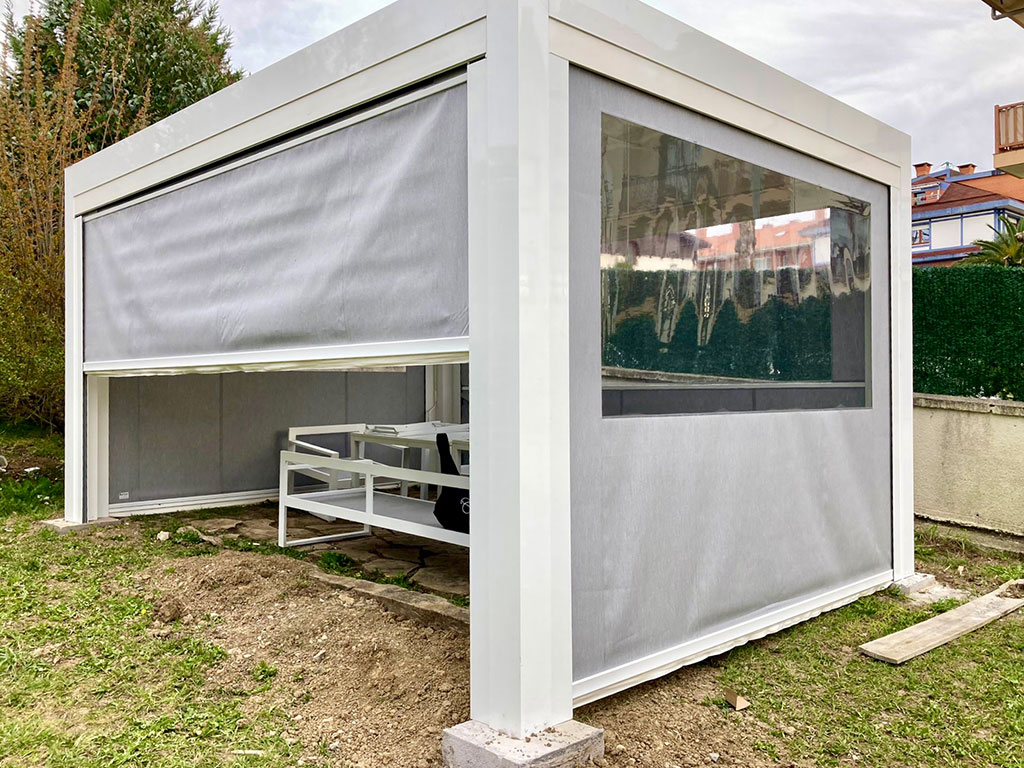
357 236
197 435
684 525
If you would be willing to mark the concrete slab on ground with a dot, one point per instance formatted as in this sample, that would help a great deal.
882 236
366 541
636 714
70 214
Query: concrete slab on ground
62 526
915 582
475 745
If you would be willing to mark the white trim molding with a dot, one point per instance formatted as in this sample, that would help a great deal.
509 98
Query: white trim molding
901 318
336 357
191 503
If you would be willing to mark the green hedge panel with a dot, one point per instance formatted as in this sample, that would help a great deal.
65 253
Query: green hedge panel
969 331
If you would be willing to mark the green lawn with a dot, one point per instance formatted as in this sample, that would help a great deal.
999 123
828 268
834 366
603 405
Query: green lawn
86 681
961 704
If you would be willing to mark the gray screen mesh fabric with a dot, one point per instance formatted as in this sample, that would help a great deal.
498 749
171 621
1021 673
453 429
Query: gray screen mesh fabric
358 236
195 435
687 525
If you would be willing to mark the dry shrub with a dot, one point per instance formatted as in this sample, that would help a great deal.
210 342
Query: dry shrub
42 130
74 79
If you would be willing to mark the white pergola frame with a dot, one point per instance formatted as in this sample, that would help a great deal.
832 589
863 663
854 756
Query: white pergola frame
517 55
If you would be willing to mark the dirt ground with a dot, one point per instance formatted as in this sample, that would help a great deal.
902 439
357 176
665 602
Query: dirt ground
365 689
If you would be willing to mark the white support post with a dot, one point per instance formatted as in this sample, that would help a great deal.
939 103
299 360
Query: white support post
521 629
444 393
902 350
284 485
97 431
74 381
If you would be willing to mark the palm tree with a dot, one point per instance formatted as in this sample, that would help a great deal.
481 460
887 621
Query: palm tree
1006 248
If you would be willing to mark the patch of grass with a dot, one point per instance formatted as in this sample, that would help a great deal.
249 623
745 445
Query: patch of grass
718 702
960 704
264 672
343 565
86 684
38 497
32 438
336 562
401 580
959 562
767 748
29 447
263 548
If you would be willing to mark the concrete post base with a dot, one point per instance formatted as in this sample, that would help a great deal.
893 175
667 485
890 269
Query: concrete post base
915 583
62 526
475 745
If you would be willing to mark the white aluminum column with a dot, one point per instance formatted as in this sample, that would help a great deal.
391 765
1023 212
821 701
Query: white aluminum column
74 380
97 437
902 377
444 393
521 631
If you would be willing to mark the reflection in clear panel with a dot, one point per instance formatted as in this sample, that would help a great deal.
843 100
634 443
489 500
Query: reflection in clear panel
720 274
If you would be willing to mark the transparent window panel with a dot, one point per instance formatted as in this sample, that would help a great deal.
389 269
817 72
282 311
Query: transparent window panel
726 285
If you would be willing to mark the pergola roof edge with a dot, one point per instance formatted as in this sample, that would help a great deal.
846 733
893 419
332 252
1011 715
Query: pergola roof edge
648 32
393 30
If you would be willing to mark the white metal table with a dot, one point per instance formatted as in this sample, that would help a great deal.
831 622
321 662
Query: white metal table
408 437
352 498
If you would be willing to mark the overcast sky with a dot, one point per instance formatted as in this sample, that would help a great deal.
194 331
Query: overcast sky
933 69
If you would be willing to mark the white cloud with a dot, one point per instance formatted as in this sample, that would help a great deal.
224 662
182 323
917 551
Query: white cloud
266 31
932 69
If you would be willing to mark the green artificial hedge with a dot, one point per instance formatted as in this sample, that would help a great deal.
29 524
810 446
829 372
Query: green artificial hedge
780 342
969 331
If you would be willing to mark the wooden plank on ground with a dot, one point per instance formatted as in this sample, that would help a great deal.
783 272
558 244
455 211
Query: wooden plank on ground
939 630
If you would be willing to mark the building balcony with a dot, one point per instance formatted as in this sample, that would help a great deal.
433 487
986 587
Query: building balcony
1009 124
1007 9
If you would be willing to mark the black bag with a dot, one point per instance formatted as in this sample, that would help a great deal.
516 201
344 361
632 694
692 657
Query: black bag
452 506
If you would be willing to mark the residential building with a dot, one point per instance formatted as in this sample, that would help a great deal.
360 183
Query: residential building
955 206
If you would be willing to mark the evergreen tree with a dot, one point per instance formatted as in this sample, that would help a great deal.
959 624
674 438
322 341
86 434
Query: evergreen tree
137 61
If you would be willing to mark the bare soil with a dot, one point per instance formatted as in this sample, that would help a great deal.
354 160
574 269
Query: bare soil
365 689
359 685
1014 590
671 722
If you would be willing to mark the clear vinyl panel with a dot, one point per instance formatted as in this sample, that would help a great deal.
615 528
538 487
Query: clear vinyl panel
725 285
